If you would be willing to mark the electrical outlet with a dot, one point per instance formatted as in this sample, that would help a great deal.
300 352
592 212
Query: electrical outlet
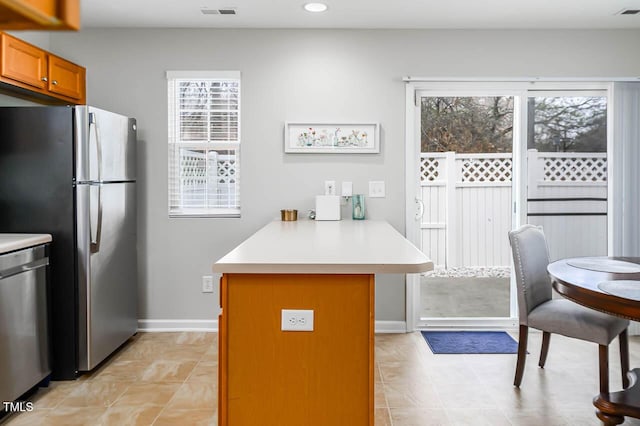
347 189
297 320
329 187
376 189
207 284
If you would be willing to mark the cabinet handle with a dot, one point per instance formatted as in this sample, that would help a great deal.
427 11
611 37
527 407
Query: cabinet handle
45 79
54 82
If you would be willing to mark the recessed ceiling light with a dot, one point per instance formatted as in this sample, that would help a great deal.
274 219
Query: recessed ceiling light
315 7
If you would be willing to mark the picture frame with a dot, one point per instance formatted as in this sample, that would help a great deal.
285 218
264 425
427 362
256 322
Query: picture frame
331 138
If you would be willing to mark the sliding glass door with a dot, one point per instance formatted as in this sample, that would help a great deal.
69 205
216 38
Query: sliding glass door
488 159
465 186
567 171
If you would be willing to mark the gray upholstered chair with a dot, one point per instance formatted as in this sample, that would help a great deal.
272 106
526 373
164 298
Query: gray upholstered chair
537 309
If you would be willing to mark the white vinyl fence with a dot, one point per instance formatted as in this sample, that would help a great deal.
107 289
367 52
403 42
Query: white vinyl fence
207 179
567 196
468 206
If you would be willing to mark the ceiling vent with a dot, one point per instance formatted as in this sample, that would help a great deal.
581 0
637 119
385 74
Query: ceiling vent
628 12
225 11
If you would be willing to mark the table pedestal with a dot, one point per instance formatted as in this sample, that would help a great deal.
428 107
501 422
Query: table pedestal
612 407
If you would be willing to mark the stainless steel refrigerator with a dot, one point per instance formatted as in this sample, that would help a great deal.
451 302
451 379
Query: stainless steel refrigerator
70 172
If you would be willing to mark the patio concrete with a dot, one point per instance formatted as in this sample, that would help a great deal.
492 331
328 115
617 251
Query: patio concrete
454 297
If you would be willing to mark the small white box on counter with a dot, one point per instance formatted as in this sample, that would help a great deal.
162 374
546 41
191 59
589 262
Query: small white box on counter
327 207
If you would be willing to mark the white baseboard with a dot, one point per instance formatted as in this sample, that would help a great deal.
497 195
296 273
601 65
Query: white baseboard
154 325
391 327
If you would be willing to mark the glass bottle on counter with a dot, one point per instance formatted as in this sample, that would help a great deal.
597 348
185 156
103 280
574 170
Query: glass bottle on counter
357 201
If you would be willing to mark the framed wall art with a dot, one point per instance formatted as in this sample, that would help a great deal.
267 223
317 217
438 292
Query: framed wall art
331 138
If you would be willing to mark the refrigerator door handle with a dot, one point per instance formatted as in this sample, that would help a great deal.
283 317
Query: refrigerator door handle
94 246
93 123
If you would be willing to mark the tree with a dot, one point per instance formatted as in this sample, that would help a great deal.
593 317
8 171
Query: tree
568 124
467 124
485 124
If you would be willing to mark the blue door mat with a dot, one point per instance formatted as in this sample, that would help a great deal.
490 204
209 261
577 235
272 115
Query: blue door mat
470 342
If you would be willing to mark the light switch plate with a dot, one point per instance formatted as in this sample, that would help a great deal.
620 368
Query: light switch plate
376 189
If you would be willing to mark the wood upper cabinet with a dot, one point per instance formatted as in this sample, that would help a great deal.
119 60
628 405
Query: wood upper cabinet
36 73
66 78
23 62
40 14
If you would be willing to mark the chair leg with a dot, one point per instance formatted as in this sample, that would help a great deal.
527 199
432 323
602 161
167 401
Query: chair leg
546 336
624 357
522 354
603 352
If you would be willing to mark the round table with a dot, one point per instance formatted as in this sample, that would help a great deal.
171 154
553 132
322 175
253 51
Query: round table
580 284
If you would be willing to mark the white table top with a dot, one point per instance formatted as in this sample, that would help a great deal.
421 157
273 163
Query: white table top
11 242
325 247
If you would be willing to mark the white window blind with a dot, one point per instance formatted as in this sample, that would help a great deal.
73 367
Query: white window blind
204 143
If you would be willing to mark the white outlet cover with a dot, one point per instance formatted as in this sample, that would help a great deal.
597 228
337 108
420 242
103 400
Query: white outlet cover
329 187
376 189
207 284
296 320
347 189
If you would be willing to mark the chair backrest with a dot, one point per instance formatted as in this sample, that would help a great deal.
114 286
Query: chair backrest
530 260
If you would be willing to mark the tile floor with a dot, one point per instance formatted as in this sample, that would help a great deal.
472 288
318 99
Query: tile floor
170 379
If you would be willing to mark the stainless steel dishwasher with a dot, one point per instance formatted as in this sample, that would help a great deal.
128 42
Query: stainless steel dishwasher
24 337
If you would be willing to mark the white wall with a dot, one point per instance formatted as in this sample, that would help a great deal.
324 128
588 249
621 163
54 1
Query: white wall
297 75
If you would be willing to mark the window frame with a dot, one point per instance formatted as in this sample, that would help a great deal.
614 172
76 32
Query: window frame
175 145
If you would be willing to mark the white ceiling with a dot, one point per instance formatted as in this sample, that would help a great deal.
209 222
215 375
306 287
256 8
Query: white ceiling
390 14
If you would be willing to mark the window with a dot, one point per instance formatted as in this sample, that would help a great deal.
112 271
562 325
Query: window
204 143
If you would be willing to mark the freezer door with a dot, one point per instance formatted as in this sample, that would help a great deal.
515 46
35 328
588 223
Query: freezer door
37 196
108 287
106 146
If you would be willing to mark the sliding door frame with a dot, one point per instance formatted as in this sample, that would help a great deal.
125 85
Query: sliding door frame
520 90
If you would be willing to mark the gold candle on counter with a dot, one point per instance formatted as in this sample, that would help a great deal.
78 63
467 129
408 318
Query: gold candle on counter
288 215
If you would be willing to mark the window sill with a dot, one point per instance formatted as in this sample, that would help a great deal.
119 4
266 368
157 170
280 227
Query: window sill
203 214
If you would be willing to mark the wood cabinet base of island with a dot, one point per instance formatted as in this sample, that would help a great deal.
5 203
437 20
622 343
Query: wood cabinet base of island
272 377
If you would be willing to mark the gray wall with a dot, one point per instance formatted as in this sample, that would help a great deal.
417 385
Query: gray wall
297 75
7 99
37 38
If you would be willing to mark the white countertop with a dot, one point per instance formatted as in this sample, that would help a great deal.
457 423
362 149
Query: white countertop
11 242
325 247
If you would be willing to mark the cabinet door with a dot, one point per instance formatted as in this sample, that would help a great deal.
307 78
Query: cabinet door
66 78
40 14
23 62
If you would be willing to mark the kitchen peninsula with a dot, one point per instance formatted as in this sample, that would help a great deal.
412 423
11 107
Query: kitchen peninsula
274 370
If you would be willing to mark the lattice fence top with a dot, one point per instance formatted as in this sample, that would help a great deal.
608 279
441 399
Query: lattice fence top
431 169
193 169
480 170
498 168
197 167
470 168
577 169
227 171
